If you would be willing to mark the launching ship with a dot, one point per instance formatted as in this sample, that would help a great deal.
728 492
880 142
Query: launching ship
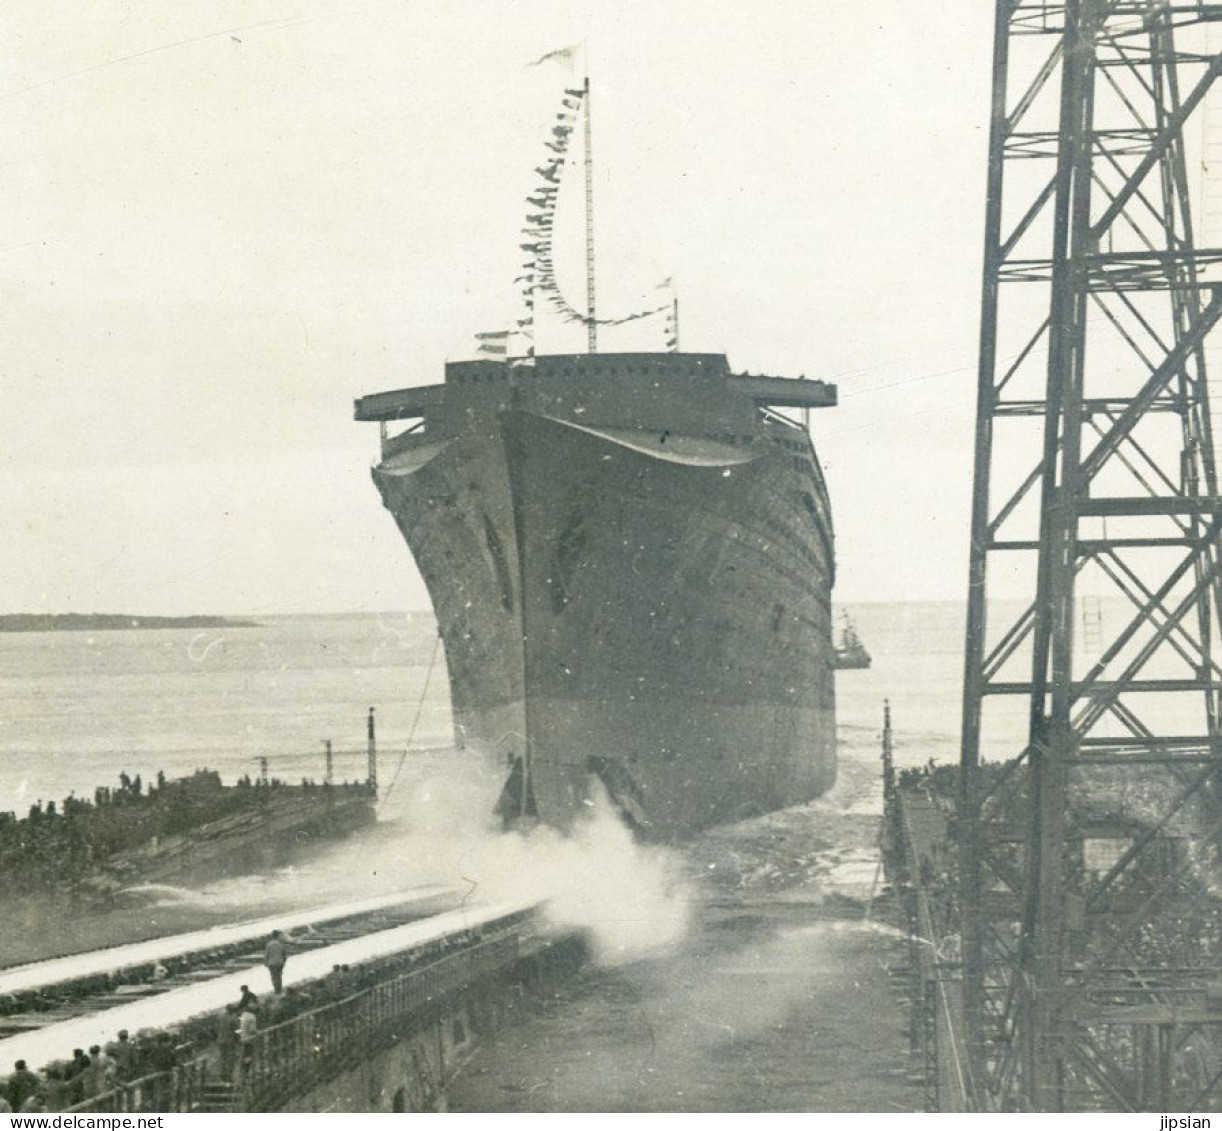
851 653
629 555
630 559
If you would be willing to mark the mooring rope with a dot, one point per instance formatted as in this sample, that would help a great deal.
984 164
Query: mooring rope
428 678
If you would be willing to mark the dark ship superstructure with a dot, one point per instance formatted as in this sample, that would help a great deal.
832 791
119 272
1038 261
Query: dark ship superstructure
851 653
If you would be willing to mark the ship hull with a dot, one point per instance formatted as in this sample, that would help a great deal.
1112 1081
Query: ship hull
627 612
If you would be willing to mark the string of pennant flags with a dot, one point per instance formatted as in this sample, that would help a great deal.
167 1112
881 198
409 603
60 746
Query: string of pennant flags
538 281
538 278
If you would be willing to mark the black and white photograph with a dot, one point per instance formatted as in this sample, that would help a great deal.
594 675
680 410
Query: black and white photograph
608 557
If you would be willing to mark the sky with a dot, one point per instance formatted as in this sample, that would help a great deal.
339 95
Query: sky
225 220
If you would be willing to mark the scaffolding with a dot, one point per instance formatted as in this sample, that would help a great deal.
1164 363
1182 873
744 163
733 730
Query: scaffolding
1087 850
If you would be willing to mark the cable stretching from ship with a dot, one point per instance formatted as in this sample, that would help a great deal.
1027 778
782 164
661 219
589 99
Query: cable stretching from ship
428 678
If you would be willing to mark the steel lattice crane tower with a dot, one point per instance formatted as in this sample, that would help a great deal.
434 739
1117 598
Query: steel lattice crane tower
1094 472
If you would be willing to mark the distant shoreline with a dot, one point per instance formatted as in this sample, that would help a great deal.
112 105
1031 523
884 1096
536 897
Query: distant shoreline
110 622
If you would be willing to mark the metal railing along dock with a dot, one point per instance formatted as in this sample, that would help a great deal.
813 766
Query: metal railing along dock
289 1057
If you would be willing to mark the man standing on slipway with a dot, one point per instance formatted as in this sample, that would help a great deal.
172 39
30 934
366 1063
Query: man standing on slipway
275 955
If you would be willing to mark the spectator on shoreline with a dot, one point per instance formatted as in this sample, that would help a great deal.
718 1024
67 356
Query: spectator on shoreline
59 1088
99 1073
248 1028
125 1058
76 1076
275 955
161 1055
248 1000
227 1041
110 1062
22 1084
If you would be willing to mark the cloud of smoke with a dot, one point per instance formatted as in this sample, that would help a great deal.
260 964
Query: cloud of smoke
628 898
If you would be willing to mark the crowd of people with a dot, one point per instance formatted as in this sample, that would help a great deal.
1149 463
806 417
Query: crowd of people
56 841
932 778
66 1083
238 1026
55 845
228 1039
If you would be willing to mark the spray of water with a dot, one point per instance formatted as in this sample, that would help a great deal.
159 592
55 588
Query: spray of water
628 898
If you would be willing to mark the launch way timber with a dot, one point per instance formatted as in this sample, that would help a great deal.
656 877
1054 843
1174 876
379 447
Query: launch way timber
630 557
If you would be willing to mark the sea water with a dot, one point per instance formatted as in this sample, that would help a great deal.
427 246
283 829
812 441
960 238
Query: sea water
79 708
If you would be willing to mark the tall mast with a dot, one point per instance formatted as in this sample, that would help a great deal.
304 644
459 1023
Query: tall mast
591 319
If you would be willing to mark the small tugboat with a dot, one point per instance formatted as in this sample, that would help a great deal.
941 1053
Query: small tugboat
851 653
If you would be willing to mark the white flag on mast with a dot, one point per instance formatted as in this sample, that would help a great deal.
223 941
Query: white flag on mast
566 56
